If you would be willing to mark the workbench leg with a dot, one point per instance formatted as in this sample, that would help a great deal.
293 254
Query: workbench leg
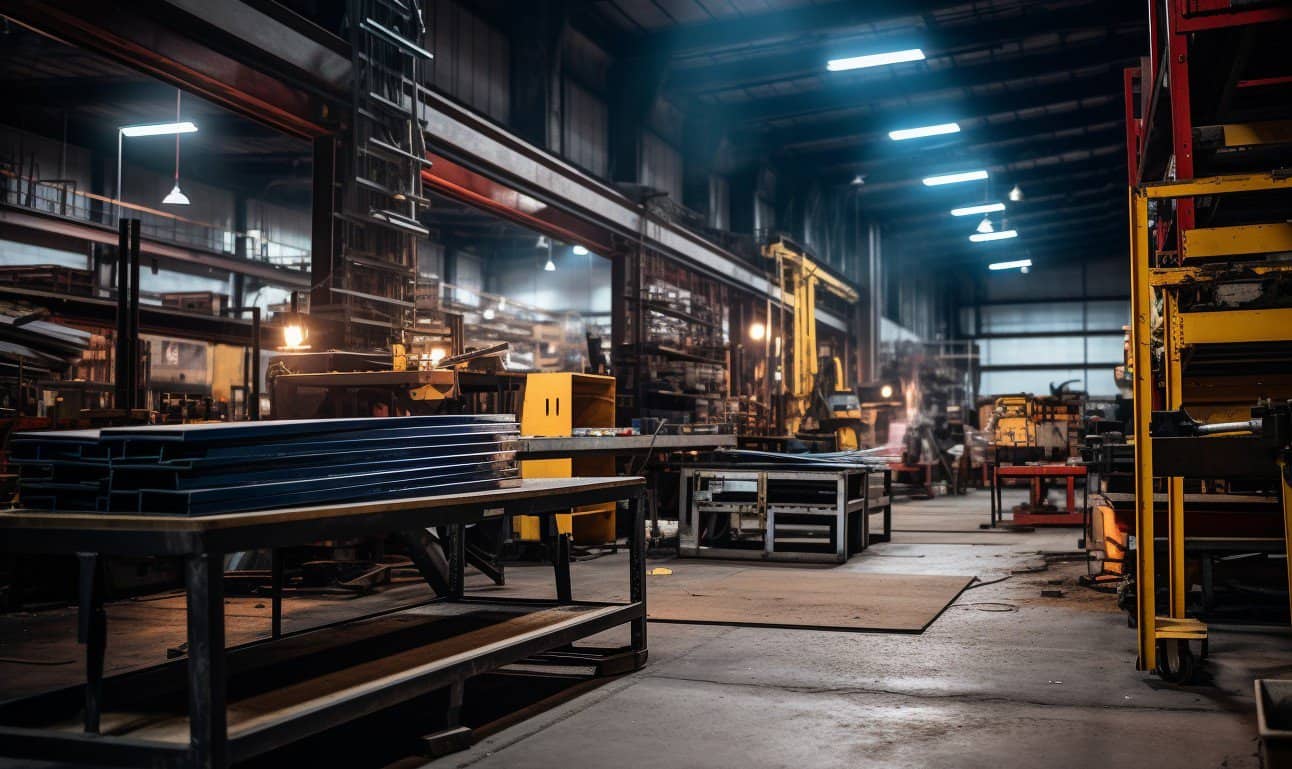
1072 495
841 532
637 573
1287 523
208 725
457 541
559 546
454 736
93 632
995 496
428 556
275 593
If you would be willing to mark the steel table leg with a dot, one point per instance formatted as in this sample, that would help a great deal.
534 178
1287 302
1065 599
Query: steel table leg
559 545
276 593
208 725
637 569
93 632
457 539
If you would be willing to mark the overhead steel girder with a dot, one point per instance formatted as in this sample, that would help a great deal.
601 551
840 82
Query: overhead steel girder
975 133
994 111
1022 147
497 170
1008 171
759 28
1077 33
164 41
14 220
1044 76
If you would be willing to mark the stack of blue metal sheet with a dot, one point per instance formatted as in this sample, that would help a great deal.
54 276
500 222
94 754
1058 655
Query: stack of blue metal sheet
63 469
234 467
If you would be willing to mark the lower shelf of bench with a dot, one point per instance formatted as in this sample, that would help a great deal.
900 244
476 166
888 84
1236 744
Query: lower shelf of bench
272 707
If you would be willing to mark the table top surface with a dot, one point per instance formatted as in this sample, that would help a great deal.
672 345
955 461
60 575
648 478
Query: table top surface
598 443
1055 469
529 489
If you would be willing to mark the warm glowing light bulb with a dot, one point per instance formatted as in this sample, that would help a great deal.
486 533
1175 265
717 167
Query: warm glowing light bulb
293 336
757 331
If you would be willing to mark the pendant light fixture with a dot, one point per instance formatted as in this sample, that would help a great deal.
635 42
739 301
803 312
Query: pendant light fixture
176 196
985 225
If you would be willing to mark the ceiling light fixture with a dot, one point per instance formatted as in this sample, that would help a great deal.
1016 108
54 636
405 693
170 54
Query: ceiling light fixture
875 60
159 129
580 251
1020 264
550 266
1016 194
985 237
985 208
985 225
923 131
176 197
964 176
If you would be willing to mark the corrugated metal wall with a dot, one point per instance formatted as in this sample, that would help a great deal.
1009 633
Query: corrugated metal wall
661 166
585 133
472 59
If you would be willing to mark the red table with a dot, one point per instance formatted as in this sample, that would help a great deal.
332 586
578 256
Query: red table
1037 474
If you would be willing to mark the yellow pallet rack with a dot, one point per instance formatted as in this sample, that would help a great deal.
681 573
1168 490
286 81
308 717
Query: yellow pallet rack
1163 640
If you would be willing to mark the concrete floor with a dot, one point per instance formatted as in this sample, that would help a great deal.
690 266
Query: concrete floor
1004 678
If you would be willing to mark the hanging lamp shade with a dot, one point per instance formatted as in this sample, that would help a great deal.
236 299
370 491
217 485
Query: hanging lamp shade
176 196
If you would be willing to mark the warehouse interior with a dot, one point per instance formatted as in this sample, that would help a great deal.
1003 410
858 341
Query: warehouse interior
669 383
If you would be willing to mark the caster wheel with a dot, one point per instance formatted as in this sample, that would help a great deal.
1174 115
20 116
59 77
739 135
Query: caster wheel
1175 662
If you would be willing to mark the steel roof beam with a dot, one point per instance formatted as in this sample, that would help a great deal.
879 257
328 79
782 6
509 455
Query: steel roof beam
1069 29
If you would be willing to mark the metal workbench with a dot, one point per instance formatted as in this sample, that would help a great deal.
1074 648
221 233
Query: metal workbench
782 513
221 706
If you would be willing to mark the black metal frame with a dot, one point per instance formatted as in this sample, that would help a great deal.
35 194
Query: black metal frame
203 548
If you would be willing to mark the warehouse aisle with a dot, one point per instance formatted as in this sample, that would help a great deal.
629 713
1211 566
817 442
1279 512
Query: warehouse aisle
1005 678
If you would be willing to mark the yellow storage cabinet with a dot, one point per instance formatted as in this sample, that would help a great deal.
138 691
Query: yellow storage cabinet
554 405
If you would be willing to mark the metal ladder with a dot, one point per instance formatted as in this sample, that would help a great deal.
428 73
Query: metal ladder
375 275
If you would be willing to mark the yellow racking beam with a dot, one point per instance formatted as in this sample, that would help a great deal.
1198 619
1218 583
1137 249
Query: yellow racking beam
1262 132
1236 326
1217 185
1181 276
1210 242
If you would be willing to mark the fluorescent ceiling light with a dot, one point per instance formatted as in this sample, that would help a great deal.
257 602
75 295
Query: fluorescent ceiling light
159 129
985 208
580 251
966 176
922 131
1016 264
875 60
983 237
